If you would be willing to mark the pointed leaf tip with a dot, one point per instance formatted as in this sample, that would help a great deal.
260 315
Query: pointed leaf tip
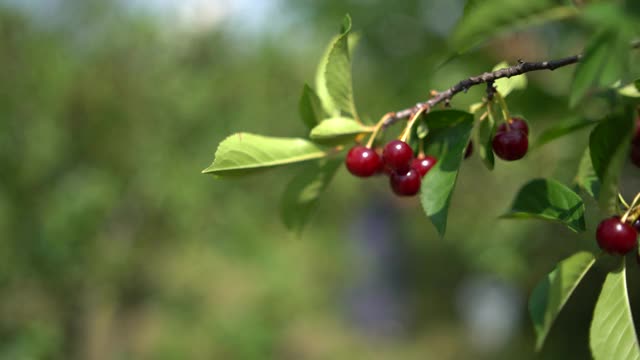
243 153
449 132
552 293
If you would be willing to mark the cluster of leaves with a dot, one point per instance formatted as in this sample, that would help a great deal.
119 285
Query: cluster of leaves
604 70
330 115
605 66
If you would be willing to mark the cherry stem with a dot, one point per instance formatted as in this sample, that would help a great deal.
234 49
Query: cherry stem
622 201
631 208
406 135
377 128
504 108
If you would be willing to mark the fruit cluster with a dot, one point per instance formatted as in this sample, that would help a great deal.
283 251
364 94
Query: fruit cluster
511 140
405 171
616 236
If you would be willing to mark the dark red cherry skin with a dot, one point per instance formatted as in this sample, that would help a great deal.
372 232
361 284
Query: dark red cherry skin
636 225
616 237
422 164
405 183
635 153
469 150
510 145
383 169
362 161
515 123
397 155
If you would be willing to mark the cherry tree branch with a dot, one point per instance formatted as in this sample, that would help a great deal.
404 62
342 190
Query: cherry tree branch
485 78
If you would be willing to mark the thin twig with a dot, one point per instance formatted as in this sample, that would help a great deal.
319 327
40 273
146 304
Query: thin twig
487 77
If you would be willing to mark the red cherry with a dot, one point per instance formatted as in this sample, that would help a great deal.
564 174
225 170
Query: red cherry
469 150
405 183
636 225
510 145
515 123
422 164
397 155
362 161
383 169
616 237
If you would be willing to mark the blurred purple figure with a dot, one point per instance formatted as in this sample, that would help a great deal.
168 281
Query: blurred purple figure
376 298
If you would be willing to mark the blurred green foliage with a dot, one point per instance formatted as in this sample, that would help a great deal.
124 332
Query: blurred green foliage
114 246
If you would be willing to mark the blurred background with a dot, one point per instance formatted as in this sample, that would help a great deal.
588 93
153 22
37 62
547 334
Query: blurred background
114 246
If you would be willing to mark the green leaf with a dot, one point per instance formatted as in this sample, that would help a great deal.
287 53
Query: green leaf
310 107
334 79
552 293
548 199
609 147
337 129
612 334
473 108
609 15
484 19
506 85
630 90
421 130
242 153
484 139
302 193
604 62
449 132
469 5
562 129
586 178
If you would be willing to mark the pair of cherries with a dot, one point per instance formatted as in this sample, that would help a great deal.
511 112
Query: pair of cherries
405 172
511 140
617 237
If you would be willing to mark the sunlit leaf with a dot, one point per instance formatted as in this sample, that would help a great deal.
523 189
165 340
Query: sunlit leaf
630 90
310 108
552 293
334 79
473 108
338 128
609 146
302 193
506 85
612 334
243 153
548 199
449 132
